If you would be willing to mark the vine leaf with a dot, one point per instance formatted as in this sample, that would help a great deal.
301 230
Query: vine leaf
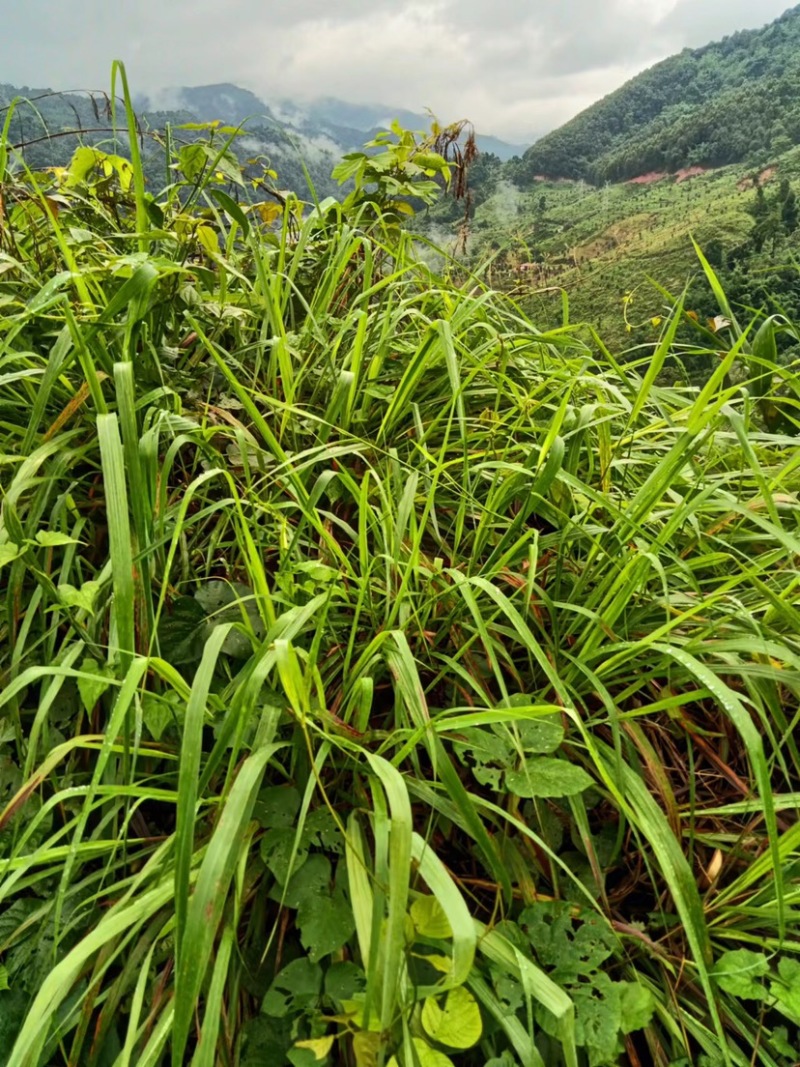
457 1024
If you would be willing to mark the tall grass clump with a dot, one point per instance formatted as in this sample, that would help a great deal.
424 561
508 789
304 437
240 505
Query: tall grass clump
384 681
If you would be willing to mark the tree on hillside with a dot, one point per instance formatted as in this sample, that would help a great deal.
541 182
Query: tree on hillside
789 210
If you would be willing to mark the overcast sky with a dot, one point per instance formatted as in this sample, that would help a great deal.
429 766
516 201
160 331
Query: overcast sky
514 67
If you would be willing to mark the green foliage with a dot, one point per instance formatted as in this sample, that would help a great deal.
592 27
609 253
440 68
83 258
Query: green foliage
729 102
383 678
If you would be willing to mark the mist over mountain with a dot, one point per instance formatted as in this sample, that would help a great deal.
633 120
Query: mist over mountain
346 124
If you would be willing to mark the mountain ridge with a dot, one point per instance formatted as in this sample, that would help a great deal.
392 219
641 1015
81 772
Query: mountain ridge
730 101
346 123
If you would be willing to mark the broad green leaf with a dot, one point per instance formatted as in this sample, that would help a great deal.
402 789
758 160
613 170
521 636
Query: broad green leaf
294 989
457 1023
93 687
541 735
638 1006
429 918
542 776
160 711
326 924
9 552
84 598
740 971
53 539
786 988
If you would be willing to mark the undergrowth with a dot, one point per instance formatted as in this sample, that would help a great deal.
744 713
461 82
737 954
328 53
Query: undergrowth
384 681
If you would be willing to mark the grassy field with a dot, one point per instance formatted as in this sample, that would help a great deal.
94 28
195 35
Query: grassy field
384 680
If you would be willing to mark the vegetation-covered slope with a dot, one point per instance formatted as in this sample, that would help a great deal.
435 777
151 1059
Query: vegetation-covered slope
47 126
602 246
732 101
383 680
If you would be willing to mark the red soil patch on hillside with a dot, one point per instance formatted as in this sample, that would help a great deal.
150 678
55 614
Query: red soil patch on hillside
649 179
764 177
690 172
659 175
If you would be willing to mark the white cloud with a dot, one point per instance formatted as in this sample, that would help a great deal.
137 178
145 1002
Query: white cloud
515 67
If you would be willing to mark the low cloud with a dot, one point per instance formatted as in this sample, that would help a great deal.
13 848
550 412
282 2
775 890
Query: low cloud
515 67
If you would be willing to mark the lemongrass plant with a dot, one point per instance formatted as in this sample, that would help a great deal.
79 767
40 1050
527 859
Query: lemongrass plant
384 681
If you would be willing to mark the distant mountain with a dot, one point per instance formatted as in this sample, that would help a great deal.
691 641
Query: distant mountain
737 100
223 101
338 115
288 134
347 125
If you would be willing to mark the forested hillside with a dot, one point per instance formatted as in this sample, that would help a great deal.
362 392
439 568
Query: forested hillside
733 101
48 126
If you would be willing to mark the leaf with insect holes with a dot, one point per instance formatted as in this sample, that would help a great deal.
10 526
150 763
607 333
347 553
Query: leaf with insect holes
546 776
277 806
739 972
457 1023
598 1020
294 989
344 981
277 809
312 880
324 917
282 856
485 752
326 923
573 944
321 831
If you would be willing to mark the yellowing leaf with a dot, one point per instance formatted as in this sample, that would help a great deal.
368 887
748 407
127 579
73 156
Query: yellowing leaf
442 964
355 1009
427 1056
320 1046
268 211
458 1024
429 918
366 1048
9 552
54 539
208 239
